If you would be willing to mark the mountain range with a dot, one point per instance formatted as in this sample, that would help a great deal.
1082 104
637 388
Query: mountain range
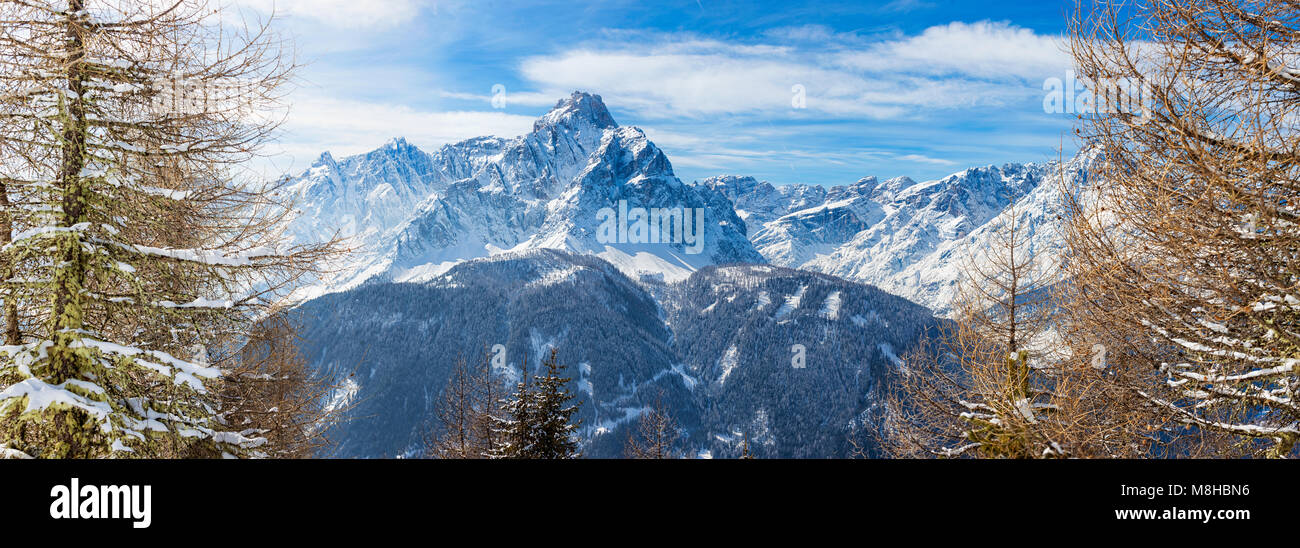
411 215
578 236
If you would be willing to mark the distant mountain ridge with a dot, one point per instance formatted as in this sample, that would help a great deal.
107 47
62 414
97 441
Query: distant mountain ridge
413 215
908 238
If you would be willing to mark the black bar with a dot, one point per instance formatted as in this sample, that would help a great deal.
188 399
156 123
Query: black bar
324 498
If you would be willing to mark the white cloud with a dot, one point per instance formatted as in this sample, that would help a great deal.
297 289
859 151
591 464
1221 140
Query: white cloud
345 127
925 159
511 98
958 65
684 83
984 49
904 6
344 13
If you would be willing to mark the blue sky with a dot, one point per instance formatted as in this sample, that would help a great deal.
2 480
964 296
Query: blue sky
889 87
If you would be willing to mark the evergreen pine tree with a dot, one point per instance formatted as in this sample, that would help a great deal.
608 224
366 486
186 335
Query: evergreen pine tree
554 427
513 429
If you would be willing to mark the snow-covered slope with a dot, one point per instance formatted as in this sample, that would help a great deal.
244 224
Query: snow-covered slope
576 182
907 238
932 278
718 349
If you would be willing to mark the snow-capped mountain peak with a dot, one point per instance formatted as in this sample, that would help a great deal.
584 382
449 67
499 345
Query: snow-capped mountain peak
413 215
909 238
577 112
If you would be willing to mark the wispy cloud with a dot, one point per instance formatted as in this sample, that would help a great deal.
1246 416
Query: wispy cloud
811 98
344 13
507 98
343 127
806 71
987 50
925 159
904 6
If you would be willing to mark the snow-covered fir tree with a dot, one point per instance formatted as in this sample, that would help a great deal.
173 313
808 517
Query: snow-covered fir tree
513 428
554 429
537 422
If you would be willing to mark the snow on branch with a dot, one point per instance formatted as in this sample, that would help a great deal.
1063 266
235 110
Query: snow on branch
208 257
41 395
